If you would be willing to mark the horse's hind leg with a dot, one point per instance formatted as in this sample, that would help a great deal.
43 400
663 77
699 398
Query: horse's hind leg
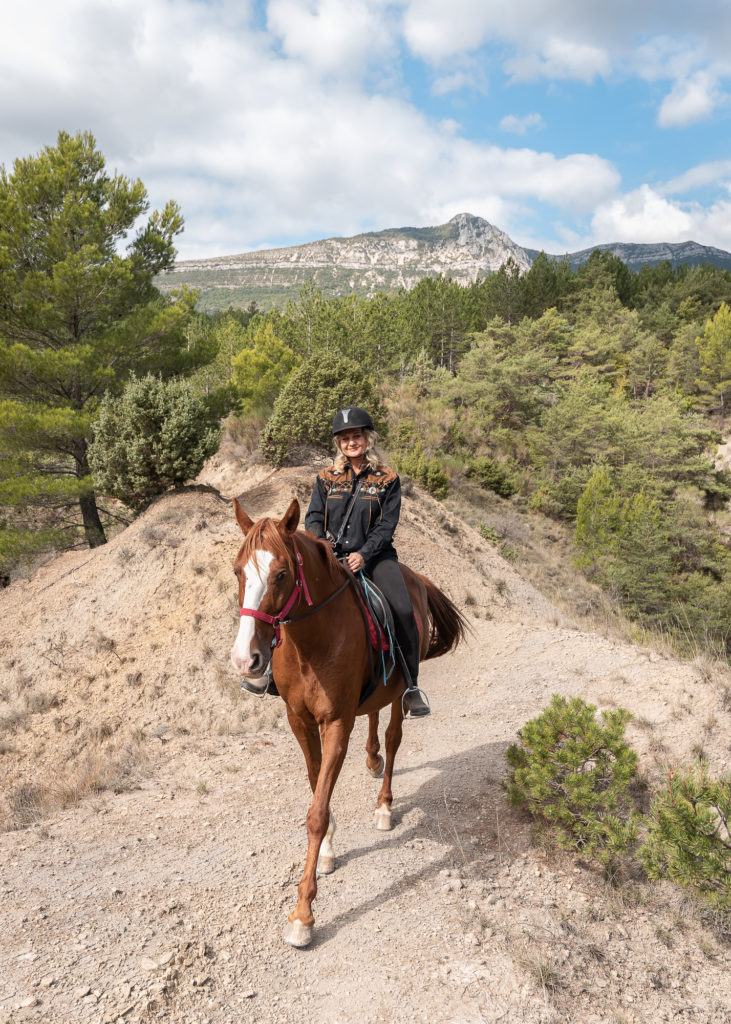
374 761
393 742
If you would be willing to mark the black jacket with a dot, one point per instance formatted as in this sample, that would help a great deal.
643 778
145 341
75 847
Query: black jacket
375 515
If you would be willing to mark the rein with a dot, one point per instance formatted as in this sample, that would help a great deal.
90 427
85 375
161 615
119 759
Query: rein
300 588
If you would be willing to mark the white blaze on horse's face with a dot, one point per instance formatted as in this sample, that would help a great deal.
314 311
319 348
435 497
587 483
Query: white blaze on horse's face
256 572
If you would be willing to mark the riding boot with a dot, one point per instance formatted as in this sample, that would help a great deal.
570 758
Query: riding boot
415 703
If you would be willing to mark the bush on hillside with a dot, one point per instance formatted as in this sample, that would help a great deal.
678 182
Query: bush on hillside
688 839
573 772
154 436
304 409
427 472
491 475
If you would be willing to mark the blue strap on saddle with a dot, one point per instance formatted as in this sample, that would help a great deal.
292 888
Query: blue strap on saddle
385 625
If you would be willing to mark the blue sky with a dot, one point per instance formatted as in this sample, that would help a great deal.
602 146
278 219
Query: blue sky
275 122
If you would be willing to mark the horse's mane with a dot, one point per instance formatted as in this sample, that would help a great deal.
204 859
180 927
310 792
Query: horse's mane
324 552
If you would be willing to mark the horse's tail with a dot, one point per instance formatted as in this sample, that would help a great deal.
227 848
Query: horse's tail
448 624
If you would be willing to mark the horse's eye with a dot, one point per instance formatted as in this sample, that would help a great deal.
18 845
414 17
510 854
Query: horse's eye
280 576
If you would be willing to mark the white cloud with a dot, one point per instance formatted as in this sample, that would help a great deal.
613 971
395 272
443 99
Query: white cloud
644 215
715 172
691 99
268 131
334 36
520 125
560 59
641 216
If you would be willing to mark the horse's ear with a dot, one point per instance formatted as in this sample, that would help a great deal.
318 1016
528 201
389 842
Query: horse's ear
242 519
290 519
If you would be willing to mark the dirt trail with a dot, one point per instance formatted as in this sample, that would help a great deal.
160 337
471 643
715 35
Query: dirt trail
167 902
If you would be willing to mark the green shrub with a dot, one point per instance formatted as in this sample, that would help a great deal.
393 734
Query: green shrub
491 475
304 409
688 839
573 771
427 472
154 436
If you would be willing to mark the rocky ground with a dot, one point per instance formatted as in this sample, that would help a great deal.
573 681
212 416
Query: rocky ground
162 811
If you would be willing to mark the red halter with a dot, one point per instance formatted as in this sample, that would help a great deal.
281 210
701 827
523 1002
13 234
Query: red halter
300 587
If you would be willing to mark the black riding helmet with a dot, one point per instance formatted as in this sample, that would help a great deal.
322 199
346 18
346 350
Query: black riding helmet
350 419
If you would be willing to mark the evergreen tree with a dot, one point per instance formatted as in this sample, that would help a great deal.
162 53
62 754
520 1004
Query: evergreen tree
261 370
305 407
76 316
714 351
156 435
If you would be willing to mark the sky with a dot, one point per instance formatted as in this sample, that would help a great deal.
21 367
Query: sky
565 123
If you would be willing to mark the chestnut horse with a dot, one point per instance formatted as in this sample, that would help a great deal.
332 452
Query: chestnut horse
299 611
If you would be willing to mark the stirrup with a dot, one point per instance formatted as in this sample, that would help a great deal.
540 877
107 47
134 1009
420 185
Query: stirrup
250 686
268 686
415 703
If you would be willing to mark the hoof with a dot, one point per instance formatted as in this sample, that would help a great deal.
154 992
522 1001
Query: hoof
382 819
325 865
377 772
298 934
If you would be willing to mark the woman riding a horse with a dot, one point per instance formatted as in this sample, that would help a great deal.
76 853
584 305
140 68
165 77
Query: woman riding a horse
355 505
301 615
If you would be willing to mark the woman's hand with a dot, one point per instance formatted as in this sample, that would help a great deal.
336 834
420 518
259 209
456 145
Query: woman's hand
355 561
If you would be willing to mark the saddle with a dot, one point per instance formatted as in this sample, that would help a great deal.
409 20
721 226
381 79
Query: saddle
381 631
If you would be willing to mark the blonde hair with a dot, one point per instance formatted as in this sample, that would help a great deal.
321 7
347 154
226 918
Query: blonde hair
372 456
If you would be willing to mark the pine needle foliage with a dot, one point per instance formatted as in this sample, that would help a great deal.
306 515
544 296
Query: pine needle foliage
688 836
304 409
573 771
156 435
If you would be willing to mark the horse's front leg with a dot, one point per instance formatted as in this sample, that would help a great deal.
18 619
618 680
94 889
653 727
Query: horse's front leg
393 742
308 737
374 761
335 736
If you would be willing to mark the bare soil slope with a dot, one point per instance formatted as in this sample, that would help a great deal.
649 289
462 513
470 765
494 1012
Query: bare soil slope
165 899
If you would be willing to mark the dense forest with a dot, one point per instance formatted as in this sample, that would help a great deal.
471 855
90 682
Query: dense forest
597 397
594 396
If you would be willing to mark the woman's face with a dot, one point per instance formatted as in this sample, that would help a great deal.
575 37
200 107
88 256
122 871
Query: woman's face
353 443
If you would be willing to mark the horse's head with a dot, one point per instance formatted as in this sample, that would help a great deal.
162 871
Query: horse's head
265 570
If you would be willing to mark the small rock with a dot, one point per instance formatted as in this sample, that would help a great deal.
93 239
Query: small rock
148 964
83 991
48 981
28 1001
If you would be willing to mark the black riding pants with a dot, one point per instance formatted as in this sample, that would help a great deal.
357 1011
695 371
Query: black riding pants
387 576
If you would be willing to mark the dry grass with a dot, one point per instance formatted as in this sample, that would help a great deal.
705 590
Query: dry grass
100 770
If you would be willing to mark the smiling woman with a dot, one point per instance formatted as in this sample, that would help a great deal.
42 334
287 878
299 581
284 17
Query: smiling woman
356 505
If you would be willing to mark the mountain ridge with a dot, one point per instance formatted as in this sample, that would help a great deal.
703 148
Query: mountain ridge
467 248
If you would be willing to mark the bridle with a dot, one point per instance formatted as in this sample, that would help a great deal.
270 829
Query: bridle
299 588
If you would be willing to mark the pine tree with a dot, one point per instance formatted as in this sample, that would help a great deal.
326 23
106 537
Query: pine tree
76 318
688 839
714 350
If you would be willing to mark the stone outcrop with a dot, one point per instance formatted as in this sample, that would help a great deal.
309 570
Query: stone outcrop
467 248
